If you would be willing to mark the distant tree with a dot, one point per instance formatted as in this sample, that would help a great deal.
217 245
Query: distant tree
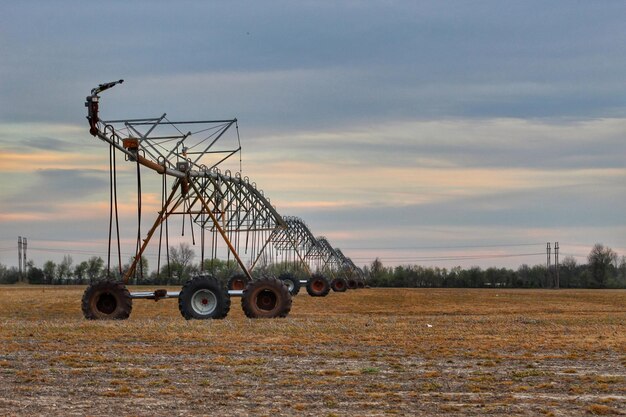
377 274
64 269
492 277
568 273
538 276
95 266
452 278
9 275
49 272
80 272
181 262
474 277
183 254
602 263
35 275
523 276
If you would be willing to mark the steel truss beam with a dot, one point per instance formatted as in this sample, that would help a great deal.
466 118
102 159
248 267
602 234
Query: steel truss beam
221 203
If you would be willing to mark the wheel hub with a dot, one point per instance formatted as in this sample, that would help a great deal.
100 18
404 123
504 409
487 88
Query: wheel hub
266 300
204 302
318 285
106 303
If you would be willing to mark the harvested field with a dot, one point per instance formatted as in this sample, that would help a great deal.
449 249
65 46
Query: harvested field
363 353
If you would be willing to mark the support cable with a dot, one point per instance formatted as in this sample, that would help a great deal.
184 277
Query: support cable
163 190
113 212
138 222
167 245
111 150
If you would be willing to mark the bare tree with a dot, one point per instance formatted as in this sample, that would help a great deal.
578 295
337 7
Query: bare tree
64 269
181 261
49 272
94 268
182 255
601 262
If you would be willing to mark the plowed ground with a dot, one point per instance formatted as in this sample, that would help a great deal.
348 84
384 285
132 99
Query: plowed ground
368 352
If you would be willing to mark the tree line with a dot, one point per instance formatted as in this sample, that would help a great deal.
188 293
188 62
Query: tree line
604 269
177 270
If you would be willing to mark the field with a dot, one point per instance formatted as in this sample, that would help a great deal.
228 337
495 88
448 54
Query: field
360 353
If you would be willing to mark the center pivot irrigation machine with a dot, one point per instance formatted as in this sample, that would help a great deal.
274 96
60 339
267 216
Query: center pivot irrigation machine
296 252
235 215
298 258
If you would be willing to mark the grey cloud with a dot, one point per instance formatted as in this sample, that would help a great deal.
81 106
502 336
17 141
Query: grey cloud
593 205
53 186
469 143
48 144
365 61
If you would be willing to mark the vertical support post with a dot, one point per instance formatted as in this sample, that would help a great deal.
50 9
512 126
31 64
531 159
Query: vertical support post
19 255
556 265
548 266
24 245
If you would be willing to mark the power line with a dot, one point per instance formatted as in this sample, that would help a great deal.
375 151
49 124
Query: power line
495 245
453 257
78 251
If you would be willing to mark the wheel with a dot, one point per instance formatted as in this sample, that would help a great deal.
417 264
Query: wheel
238 282
106 300
203 298
360 284
351 284
339 285
317 286
292 283
266 297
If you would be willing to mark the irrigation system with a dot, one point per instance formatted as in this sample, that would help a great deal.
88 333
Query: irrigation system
232 215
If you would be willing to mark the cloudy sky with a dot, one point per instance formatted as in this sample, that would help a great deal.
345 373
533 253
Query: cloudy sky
435 132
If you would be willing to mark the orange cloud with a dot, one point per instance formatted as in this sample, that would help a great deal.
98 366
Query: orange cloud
314 204
19 217
29 162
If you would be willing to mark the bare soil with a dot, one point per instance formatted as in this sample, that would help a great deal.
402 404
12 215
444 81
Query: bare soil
370 352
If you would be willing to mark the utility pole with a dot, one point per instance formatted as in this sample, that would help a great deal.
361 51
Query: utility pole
19 255
548 265
24 245
556 265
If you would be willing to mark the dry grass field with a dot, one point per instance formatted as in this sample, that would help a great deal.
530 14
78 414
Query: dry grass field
361 353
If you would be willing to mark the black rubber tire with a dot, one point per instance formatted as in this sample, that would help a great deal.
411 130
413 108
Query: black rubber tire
339 285
266 298
203 298
238 281
106 300
360 284
318 286
351 284
292 283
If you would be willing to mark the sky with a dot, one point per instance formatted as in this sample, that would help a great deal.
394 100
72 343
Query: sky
438 133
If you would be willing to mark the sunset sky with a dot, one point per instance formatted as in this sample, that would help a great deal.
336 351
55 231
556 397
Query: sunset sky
438 133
